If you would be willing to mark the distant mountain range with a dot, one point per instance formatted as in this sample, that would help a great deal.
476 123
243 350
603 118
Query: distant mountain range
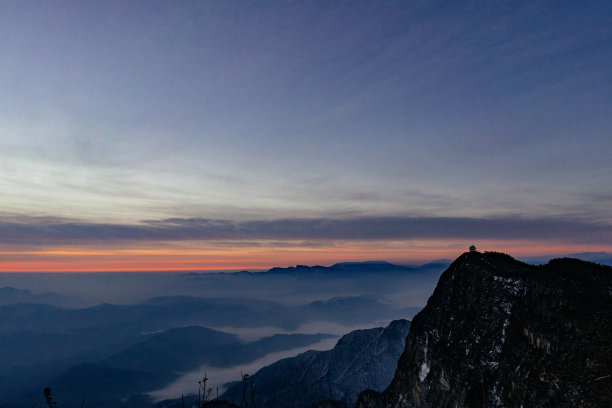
338 269
158 360
10 295
354 268
47 345
164 312
377 280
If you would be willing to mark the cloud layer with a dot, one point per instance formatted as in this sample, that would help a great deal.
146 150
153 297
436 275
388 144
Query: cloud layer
54 231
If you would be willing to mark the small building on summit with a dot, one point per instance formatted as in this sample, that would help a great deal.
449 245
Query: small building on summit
472 248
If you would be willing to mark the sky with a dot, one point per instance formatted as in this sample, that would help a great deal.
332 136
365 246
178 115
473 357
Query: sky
197 135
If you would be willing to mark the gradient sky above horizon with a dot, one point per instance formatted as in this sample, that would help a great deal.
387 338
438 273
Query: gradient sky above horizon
227 134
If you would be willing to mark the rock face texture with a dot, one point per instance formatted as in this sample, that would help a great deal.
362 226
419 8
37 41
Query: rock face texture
361 359
500 333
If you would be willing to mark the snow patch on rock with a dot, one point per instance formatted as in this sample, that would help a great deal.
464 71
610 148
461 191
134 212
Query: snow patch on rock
425 364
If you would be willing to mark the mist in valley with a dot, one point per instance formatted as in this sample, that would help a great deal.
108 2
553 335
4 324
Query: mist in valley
156 333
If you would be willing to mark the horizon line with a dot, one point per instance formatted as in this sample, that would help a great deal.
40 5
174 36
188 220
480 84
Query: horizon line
254 269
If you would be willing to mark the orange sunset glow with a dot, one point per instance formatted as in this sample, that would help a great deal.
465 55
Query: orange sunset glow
201 256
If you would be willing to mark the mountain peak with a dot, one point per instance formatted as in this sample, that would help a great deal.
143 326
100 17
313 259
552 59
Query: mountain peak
499 332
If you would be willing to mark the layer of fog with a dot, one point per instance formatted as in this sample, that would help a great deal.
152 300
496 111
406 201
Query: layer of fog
83 290
187 384
89 289
249 334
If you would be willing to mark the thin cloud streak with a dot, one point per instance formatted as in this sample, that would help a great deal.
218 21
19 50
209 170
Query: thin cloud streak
53 231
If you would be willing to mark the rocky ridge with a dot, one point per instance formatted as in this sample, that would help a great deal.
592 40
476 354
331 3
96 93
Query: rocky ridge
360 359
500 333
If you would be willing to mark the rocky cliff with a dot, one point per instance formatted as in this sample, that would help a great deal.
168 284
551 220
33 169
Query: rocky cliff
500 333
361 359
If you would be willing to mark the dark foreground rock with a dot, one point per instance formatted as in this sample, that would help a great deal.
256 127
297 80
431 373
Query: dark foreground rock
501 333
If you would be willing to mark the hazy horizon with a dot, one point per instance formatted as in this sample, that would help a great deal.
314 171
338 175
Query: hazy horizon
592 256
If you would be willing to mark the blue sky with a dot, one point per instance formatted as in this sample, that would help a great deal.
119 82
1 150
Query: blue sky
117 113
